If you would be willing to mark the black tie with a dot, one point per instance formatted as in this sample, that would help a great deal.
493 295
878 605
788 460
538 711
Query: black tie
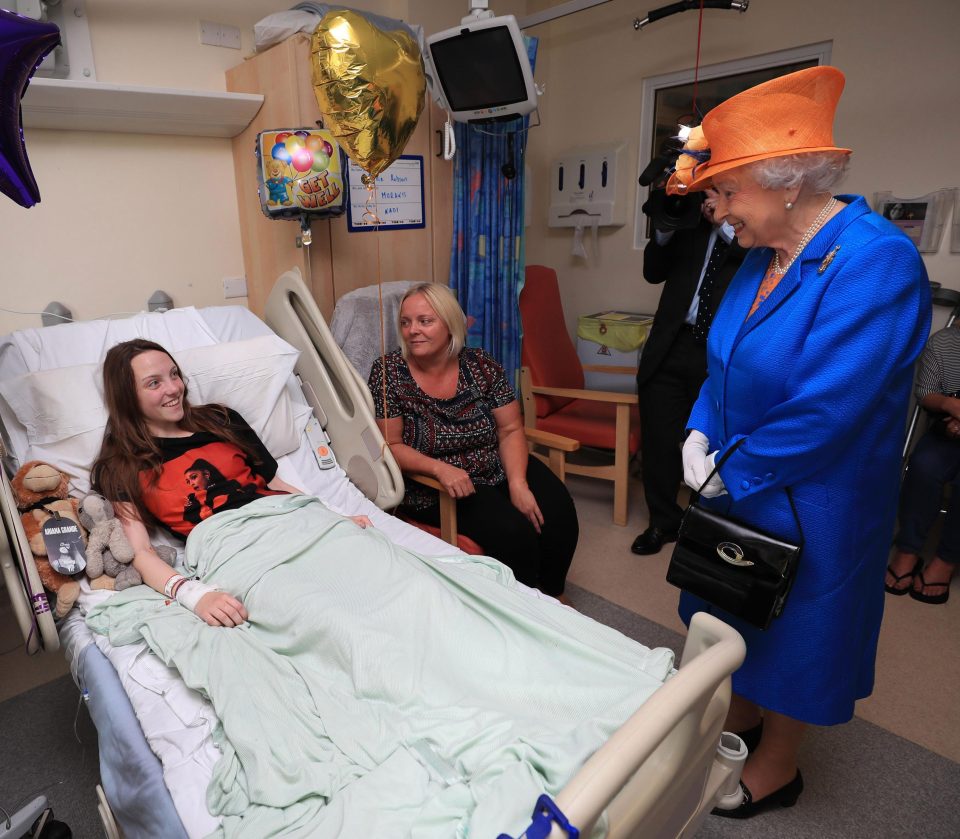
706 308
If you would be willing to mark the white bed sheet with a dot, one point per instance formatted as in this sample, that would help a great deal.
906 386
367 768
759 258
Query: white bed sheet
177 721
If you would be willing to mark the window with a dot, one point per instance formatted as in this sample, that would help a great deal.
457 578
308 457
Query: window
668 98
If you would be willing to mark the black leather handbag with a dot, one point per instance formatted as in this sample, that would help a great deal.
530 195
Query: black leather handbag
733 565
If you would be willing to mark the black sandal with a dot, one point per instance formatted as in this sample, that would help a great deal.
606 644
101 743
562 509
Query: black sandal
907 589
933 599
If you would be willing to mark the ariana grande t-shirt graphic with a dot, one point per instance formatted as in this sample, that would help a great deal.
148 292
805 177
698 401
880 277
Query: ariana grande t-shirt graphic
203 475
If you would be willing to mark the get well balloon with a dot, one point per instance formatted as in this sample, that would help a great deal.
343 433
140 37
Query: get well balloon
369 83
303 183
23 44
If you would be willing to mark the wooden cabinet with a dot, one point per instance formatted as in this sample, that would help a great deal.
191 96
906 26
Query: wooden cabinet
338 261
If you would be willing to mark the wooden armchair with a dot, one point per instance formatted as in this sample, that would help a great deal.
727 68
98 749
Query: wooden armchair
556 458
554 398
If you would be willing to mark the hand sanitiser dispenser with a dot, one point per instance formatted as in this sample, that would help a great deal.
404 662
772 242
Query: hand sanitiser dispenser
588 191
588 184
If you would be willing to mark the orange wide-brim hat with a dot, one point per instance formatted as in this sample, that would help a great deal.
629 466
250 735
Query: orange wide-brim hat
791 114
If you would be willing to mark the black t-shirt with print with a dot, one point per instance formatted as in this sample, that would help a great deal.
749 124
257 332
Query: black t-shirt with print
203 474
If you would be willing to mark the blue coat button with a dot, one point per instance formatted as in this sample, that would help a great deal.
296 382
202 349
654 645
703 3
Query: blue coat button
744 484
769 476
757 481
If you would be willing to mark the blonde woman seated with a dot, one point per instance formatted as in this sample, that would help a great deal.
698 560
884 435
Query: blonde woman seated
448 411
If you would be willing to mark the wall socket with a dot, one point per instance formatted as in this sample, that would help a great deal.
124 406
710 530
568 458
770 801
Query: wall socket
219 35
234 287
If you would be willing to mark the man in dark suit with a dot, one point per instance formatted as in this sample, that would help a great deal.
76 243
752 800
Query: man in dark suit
696 266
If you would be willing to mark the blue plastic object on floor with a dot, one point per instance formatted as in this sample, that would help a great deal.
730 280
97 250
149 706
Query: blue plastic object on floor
545 815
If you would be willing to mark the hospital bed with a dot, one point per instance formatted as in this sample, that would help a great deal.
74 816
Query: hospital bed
659 773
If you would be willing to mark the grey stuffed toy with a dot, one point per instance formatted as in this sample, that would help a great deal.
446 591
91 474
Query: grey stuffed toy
109 554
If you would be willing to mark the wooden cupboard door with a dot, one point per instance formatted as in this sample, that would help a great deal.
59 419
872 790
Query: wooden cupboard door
365 257
440 196
282 74
339 261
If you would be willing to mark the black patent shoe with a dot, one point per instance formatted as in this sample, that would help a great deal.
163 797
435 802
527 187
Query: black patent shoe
751 737
652 540
786 796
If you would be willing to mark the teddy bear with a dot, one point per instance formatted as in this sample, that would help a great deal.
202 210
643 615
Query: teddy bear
40 489
695 151
109 554
278 183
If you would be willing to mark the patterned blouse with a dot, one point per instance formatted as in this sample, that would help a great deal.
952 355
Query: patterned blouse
461 430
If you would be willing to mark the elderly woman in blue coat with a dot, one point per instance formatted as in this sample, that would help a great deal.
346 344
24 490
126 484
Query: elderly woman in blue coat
810 364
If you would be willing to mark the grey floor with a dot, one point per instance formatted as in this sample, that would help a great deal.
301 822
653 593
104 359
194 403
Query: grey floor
861 781
49 747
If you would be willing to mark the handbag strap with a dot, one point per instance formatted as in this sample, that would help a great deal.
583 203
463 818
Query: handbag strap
716 467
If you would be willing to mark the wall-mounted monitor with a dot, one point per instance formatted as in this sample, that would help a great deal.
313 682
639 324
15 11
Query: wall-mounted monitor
481 72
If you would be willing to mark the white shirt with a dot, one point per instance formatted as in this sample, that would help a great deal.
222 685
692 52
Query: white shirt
724 230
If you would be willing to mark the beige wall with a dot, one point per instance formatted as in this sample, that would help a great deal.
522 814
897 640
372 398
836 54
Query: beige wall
123 215
898 112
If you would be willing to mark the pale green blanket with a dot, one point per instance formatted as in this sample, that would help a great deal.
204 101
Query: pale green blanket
375 692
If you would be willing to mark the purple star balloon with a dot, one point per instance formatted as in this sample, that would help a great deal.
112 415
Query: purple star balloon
23 44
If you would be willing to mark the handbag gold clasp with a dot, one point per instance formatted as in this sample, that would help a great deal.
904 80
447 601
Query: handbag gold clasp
732 553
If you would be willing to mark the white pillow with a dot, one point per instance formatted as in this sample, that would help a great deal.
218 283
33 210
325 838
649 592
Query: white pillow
63 415
55 404
248 376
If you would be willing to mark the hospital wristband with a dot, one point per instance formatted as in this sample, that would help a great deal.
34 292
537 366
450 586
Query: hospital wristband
171 586
190 592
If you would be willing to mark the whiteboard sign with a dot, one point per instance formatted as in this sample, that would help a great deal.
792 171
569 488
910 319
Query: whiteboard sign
399 196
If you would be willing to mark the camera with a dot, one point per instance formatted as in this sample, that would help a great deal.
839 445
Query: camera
668 212
673 212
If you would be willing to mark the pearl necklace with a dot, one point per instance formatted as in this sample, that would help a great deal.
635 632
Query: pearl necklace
805 239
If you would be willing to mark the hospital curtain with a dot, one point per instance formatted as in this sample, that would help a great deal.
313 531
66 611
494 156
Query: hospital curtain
487 260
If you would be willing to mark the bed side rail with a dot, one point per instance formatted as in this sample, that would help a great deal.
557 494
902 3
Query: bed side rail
27 597
340 400
654 775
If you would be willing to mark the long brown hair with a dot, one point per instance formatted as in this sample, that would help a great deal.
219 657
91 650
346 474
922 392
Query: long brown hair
129 449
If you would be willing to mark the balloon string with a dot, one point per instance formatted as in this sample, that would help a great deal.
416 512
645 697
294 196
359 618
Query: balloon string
306 239
371 216
696 66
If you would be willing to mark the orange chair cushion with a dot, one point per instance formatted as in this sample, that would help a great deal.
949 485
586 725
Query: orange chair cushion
465 543
547 351
592 423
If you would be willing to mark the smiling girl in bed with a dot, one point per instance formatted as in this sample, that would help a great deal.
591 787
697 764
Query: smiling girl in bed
171 463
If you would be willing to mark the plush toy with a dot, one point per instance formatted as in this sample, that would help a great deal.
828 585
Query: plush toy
109 554
696 150
39 490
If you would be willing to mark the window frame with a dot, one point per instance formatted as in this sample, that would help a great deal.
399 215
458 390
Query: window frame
819 52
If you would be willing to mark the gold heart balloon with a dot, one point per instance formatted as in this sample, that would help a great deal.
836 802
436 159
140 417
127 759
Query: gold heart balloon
369 85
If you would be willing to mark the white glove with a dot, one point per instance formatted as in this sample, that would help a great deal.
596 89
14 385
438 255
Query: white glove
694 455
191 591
715 486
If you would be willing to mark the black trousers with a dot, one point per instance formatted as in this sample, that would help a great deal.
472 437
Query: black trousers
935 462
666 399
539 560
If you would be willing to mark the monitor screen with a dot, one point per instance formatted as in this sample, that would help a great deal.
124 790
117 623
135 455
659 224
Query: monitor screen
479 69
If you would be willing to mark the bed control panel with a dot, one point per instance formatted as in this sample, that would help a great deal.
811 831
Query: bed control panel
320 444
